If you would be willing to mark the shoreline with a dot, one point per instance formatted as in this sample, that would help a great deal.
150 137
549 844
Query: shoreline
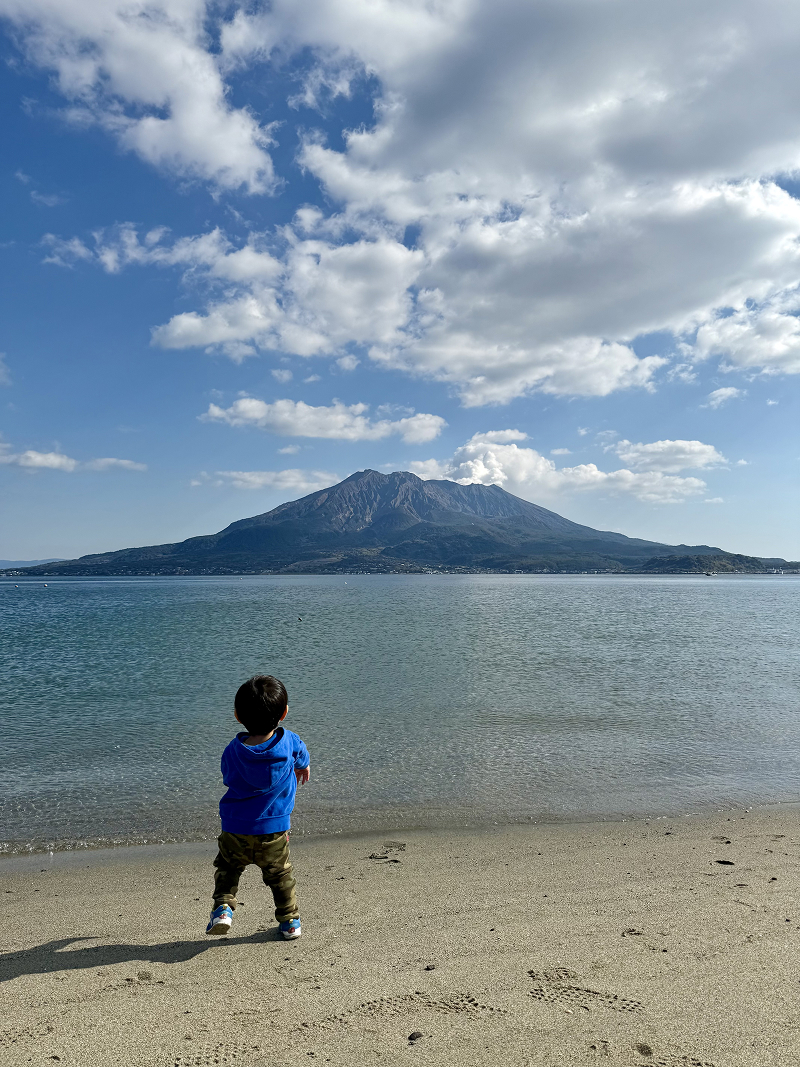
386 820
670 941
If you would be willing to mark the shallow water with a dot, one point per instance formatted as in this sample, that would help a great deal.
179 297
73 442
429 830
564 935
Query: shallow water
424 700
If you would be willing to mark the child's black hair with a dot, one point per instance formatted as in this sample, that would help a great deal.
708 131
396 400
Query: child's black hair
260 702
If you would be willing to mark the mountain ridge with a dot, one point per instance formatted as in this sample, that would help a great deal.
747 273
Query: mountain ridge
395 522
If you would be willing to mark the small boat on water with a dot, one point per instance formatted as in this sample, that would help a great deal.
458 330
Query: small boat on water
711 574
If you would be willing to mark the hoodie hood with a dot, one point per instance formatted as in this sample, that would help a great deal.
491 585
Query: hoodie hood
265 766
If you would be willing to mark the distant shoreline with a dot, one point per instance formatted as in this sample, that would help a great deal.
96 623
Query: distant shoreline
773 572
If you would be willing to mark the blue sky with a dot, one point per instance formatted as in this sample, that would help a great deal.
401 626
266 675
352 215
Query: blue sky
552 246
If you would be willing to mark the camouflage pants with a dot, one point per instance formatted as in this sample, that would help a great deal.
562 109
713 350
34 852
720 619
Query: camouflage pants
270 852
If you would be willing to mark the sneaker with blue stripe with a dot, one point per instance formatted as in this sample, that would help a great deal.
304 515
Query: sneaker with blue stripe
221 919
290 929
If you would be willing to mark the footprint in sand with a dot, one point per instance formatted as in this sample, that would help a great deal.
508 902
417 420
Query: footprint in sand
9 1038
405 1004
559 987
229 1052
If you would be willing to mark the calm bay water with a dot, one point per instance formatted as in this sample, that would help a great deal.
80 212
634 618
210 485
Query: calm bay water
424 700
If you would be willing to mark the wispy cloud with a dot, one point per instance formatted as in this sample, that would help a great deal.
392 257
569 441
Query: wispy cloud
32 460
337 422
723 395
304 481
47 199
108 463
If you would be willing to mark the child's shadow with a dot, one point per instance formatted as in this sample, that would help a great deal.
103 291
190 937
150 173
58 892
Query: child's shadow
50 957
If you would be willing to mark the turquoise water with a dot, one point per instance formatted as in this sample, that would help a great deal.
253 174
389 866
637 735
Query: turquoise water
425 700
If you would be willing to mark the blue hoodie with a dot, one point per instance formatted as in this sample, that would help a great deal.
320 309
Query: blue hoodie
261 783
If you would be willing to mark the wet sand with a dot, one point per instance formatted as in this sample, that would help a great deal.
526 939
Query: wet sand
617 943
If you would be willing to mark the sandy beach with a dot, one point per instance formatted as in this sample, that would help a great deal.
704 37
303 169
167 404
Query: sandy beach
669 942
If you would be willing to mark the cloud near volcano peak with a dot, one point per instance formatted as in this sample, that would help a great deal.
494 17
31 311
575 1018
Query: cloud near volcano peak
494 458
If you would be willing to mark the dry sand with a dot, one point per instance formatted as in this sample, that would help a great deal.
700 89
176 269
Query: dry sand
617 943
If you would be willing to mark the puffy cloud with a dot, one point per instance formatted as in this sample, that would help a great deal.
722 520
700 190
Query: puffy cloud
300 480
569 175
347 363
765 337
578 174
721 396
282 374
121 246
328 296
145 72
338 421
57 461
667 456
492 459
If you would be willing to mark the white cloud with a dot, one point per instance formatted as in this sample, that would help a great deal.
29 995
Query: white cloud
300 480
65 253
721 396
281 374
525 472
560 452
32 460
766 337
5 374
311 378
576 175
682 372
772 403
328 297
57 461
47 199
290 450
347 363
339 421
393 409
668 456
107 463
714 500
145 72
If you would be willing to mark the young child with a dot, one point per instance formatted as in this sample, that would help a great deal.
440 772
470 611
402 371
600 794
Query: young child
262 769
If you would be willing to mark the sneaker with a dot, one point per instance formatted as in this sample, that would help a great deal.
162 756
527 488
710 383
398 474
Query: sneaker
290 929
220 921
